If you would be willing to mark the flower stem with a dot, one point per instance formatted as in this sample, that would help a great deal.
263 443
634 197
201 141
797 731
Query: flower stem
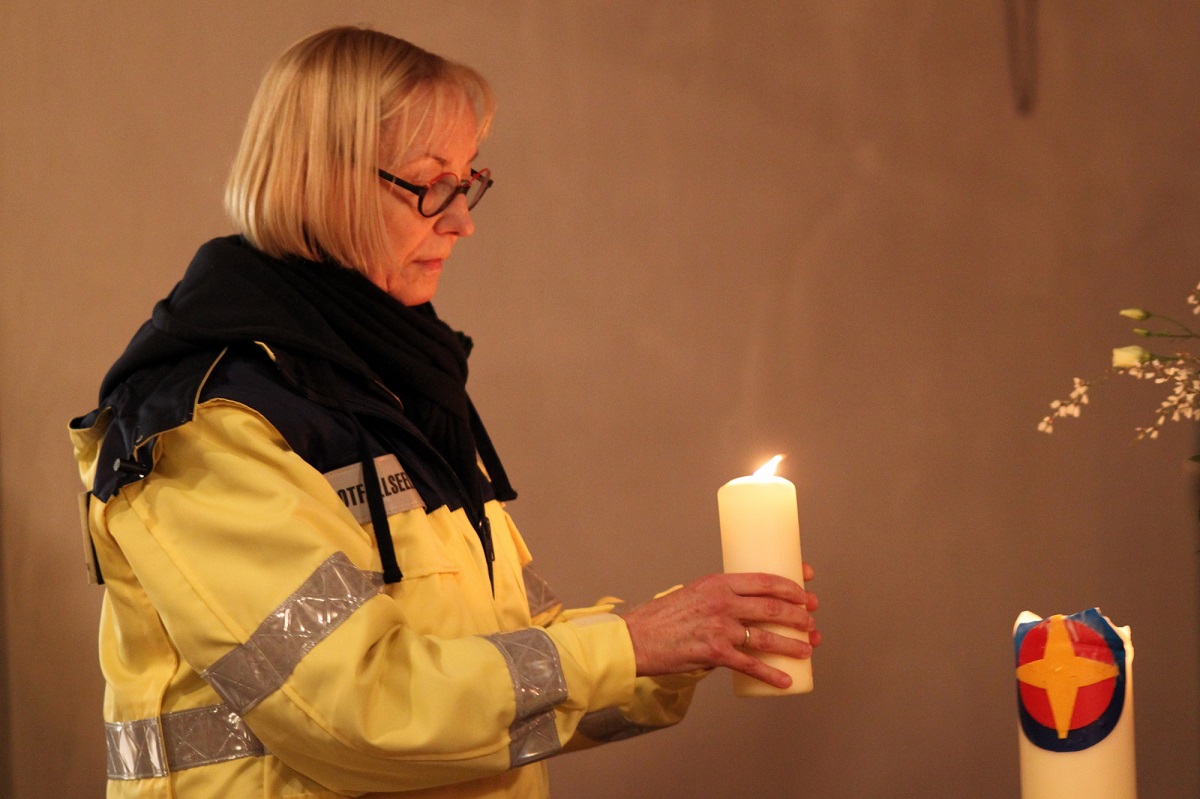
1187 331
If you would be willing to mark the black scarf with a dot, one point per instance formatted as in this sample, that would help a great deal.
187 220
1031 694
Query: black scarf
233 293
416 355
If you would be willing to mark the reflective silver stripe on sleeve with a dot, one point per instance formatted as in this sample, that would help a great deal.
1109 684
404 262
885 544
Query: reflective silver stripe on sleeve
253 671
541 595
185 739
610 724
207 735
135 750
538 685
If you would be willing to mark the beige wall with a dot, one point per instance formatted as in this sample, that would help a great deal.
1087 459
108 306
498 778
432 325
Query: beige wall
719 230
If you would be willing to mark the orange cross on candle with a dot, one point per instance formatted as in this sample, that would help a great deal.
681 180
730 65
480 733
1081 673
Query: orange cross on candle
1061 673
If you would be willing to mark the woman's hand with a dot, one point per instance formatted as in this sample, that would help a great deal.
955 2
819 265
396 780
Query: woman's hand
704 624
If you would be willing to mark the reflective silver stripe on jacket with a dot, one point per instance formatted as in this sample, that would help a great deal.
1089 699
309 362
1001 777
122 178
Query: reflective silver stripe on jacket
253 671
185 739
538 684
610 724
541 595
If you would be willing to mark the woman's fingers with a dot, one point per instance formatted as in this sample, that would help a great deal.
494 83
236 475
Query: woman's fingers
767 641
769 599
759 584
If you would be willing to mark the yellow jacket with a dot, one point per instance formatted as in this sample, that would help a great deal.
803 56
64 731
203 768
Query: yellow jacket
251 648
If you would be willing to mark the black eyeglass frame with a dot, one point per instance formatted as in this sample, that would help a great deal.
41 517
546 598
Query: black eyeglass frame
462 188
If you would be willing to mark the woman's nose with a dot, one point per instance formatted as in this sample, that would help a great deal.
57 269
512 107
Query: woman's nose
457 218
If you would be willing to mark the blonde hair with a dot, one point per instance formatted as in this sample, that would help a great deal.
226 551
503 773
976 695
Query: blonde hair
304 180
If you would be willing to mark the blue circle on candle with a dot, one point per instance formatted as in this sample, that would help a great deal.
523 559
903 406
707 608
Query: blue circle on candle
1089 734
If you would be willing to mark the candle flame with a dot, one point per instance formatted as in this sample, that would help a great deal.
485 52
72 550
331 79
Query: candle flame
768 468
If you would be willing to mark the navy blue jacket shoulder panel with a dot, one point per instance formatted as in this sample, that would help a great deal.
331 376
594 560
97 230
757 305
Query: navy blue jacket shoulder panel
160 399
321 413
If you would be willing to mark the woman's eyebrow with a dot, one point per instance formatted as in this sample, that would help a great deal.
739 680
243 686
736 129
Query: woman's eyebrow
446 162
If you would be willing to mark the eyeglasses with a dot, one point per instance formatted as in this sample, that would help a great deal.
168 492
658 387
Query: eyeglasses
436 196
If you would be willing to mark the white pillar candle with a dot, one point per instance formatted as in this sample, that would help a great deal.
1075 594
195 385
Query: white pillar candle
1075 707
760 532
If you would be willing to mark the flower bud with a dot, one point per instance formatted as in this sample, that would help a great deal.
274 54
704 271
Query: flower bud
1128 357
1136 314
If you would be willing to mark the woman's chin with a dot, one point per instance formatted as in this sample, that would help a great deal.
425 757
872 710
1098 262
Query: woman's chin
415 295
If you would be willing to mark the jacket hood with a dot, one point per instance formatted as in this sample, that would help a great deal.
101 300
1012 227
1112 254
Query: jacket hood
230 293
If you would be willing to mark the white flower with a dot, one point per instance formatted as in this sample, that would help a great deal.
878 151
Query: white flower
1127 357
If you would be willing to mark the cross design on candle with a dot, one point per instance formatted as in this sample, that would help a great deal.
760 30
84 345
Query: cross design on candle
1061 672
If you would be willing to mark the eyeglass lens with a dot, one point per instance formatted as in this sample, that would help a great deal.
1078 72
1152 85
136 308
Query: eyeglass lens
443 190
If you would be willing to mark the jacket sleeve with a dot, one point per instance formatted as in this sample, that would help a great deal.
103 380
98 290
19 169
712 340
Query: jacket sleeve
655 702
269 589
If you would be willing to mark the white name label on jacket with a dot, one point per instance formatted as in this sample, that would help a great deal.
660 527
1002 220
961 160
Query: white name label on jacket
398 491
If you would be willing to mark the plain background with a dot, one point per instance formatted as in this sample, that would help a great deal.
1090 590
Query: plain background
720 230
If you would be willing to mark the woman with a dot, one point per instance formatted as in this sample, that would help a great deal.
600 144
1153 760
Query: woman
313 587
